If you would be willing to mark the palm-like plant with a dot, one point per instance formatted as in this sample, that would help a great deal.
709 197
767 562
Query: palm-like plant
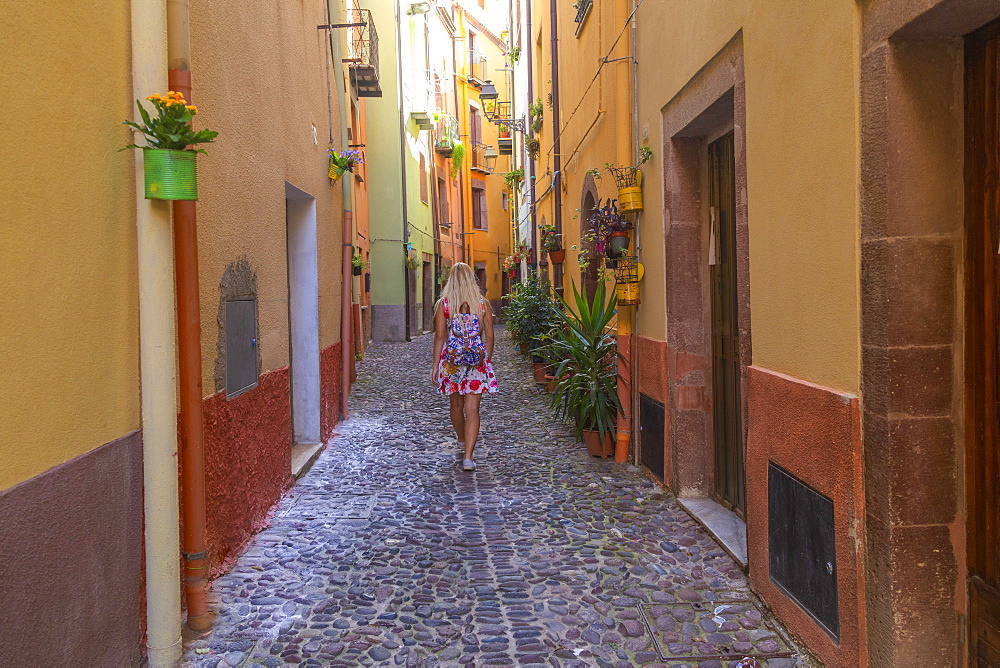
585 356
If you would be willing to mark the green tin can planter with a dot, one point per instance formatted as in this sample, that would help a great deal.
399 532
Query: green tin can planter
170 174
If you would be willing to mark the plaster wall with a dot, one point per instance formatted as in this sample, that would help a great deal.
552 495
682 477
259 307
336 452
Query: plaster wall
801 64
69 323
386 192
249 62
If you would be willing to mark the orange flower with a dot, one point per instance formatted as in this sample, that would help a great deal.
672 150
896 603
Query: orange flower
154 97
191 108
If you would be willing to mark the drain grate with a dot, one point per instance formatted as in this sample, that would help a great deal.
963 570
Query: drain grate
330 506
712 630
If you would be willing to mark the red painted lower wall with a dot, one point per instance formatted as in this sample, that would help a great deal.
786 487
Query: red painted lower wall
248 443
814 433
329 376
653 374
248 464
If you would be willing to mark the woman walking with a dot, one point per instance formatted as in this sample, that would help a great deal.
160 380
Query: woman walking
463 349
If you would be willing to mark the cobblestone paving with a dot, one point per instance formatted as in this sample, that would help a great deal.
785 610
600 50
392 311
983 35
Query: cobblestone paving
387 553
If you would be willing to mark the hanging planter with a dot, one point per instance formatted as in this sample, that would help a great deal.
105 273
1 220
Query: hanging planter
617 244
169 174
629 180
170 165
628 273
341 162
557 256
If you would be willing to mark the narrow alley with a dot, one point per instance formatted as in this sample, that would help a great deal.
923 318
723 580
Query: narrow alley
387 553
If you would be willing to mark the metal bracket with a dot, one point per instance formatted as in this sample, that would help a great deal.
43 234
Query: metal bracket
193 556
330 26
614 60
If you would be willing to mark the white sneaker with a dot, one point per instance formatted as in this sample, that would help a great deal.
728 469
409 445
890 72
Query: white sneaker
468 465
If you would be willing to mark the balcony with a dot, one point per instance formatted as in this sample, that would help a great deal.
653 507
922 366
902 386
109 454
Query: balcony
477 68
446 134
484 157
362 42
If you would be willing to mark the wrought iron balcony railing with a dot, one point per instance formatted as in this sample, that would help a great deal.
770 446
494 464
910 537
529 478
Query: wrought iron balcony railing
480 160
446 134
363 53
477 67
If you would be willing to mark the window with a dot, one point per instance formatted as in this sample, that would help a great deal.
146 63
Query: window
479 212
423 179
475 126
444 210
503 199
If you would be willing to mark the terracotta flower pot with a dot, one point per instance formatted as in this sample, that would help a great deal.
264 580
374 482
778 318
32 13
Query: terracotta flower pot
557 256
541 370
598 447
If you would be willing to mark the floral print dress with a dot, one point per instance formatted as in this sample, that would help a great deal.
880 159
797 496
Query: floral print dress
462 379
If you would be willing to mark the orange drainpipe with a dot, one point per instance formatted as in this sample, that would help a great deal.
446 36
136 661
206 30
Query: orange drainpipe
624 436
346 352
192 426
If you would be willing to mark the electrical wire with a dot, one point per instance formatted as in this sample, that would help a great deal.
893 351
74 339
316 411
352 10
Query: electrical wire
596 74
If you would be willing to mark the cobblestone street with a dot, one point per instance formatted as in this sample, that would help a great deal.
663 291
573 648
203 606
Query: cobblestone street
387 553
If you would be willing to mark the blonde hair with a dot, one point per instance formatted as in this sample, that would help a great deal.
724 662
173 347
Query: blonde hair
462 288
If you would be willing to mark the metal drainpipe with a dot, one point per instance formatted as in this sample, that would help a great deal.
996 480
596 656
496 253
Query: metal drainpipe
530 48
557 131
634 351
347 205
460 114
157 364
402 171
192 428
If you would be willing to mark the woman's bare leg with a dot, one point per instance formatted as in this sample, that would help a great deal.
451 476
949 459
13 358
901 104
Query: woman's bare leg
458 416
471 422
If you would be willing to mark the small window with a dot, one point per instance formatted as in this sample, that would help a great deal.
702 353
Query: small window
241 346
503 199
479 212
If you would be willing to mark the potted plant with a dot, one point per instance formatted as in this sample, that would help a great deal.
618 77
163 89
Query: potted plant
586 371
535 112
412 261
611 228
551 244
628 179
343 161
170 165
533 146
358 264
514 178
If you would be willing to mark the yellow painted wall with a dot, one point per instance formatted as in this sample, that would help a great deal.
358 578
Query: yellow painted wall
594 115
260 79
802 167
68 307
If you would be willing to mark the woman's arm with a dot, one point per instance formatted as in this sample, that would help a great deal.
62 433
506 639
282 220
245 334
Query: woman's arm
488 328
440 334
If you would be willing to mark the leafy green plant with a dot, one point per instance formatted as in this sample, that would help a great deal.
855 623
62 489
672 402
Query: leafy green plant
533 146
549 237
531 311
514 178
358 262
585 356
515 54
171 128
457 154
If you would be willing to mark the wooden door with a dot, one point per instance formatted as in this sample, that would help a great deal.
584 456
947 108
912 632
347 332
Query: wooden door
726 400
982 173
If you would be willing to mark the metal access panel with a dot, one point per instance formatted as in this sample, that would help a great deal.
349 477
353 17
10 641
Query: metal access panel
802 547
651 418
242 369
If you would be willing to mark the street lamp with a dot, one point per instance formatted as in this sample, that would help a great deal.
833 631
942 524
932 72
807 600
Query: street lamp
490 156
489 91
